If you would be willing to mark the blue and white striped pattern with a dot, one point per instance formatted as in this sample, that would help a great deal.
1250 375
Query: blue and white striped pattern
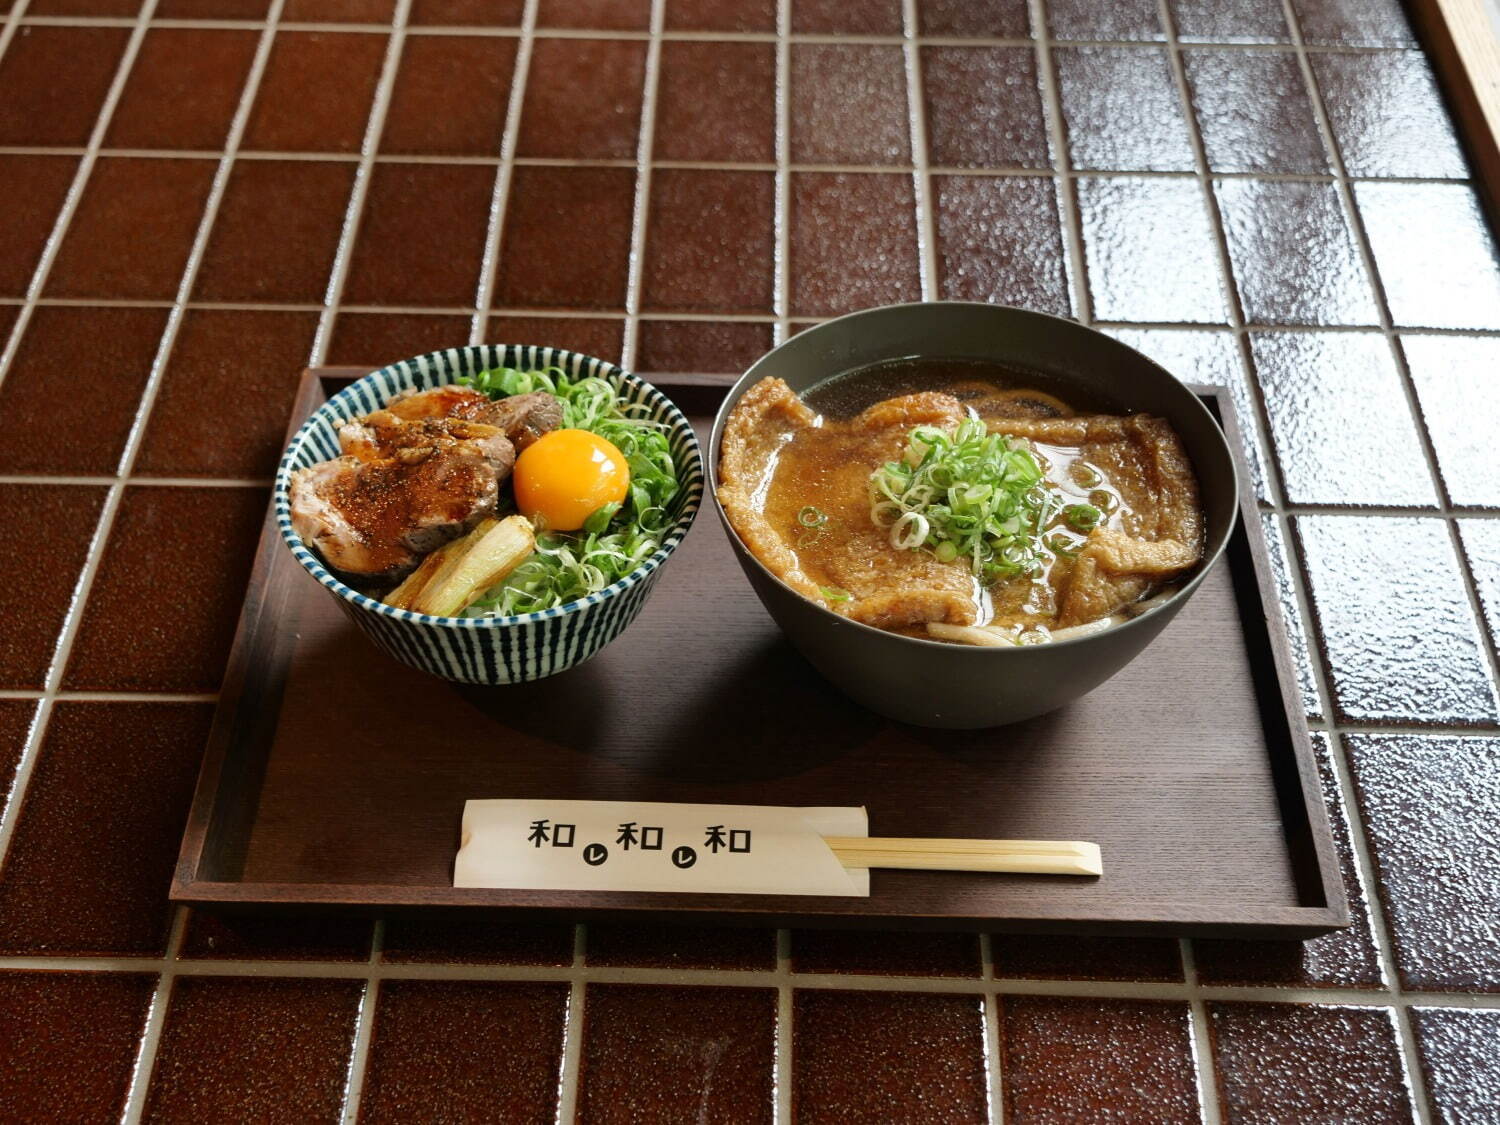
491 650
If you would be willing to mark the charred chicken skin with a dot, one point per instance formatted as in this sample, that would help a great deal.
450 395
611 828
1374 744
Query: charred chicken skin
413 476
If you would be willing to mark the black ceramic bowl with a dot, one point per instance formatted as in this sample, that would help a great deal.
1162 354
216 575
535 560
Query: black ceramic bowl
937 684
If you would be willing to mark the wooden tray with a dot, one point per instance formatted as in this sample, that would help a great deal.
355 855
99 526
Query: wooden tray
335 777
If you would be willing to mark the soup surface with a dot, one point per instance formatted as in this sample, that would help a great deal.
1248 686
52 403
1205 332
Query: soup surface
960 501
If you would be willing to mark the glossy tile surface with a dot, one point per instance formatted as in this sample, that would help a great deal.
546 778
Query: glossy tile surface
1229 21
1435 257
1429 807
579 221
1149 250
37 186
872 1056
47 375
236 1048
96 835
289 117
223 937
1387 115
130 202
1460 1061
716 101
1330 398
696 345
1304 1062
1401 646
70 1041
998 240
1067 957
848 104
713 244
1122 110
416 175
53 82
978 19
1085 19
161 611
831 212
1456 378
183 89
1294 257
276 233
680 947
1481 545
450 96
1254 112
1077 1059
464 1050
421 237
60 519
983 107
598 119
203 425
662 1053
888 954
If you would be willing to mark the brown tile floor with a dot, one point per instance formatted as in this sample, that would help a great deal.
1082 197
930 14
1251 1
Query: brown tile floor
1263 195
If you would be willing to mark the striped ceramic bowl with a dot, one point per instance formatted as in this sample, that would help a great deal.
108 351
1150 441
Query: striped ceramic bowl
491 650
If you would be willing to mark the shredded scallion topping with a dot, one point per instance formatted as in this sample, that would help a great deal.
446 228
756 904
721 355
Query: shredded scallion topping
970 493
617 538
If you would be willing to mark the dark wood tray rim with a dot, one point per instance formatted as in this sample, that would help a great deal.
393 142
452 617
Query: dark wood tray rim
696 394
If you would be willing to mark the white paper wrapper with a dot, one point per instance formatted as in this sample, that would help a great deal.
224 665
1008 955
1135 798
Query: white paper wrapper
654 846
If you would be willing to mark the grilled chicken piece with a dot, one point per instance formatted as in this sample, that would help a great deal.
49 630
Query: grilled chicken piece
414 476
401 489
523 418
383 436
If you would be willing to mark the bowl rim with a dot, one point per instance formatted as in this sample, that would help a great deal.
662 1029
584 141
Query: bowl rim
1169 605
692 476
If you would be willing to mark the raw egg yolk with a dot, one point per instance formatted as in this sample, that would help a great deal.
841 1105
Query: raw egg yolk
566 476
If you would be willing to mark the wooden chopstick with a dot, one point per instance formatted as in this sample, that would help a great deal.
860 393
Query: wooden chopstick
1028 857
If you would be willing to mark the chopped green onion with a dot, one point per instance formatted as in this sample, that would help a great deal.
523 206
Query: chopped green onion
834 594
812 516
970 493
1085 475
1082 517
1104 500
617 538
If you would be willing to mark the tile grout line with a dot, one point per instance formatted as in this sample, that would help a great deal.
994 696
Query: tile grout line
12 21
364 1028
151 1035
1207 1068
10 810
990 1013
1342 185
489 259
1063 178
156 1016
782 1063
1363 849
893 169
639 35
921 174
641 213
782 264
1200 1042
1101 989
354 212
88 157
570 1063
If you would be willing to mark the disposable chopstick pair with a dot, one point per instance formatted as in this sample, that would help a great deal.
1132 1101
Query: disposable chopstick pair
1026 857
